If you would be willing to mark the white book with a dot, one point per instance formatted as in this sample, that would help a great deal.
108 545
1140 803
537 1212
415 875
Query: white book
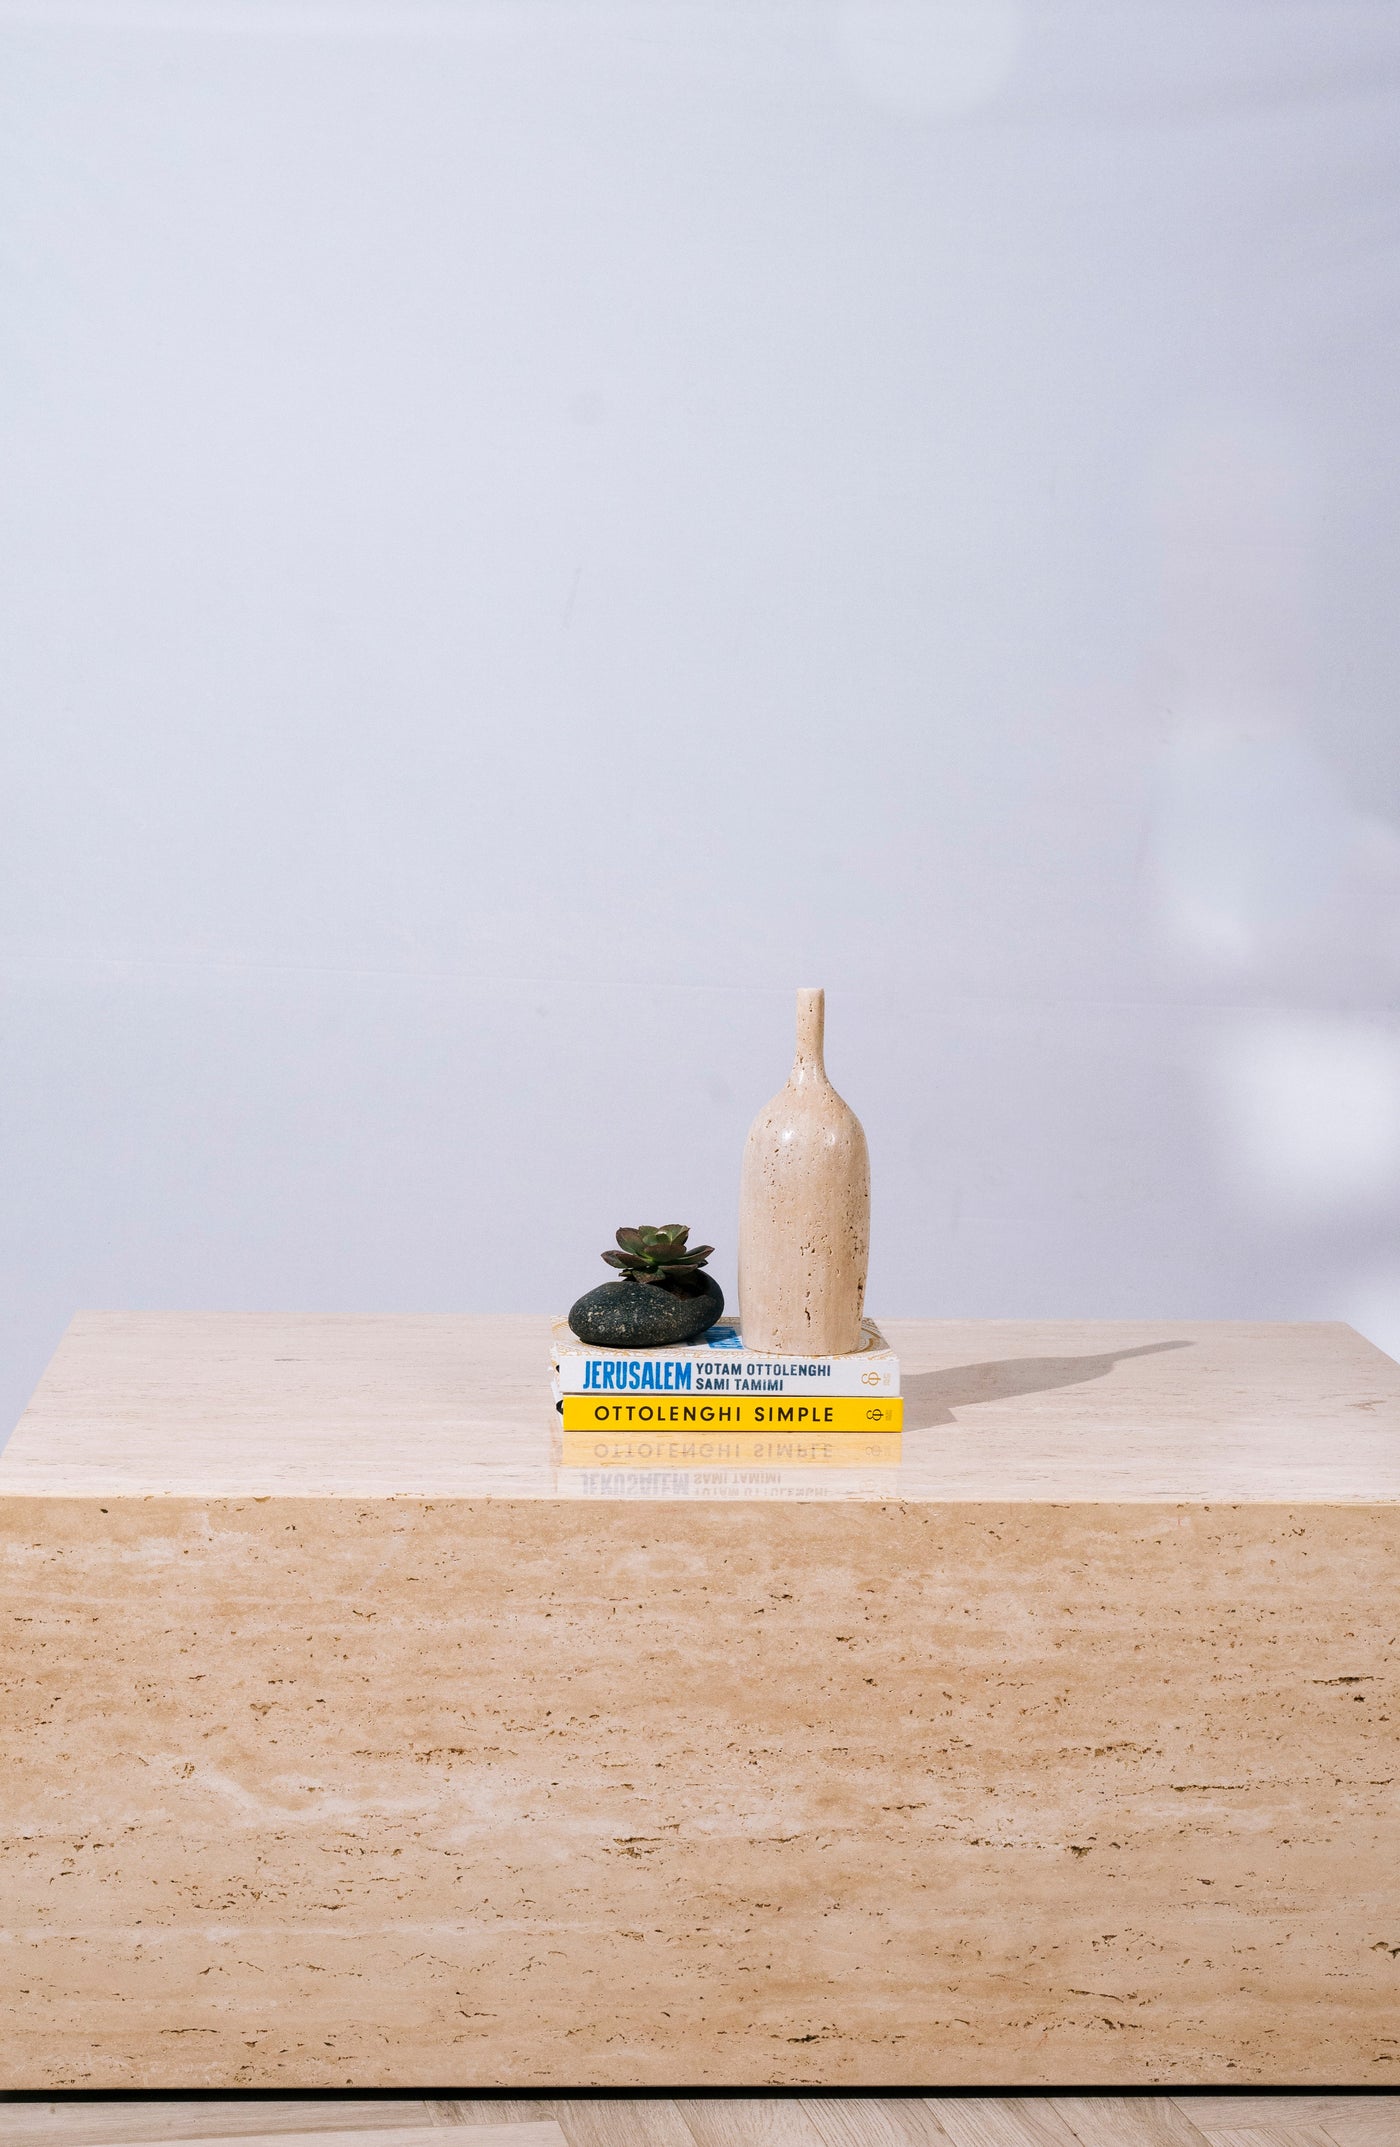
718 1363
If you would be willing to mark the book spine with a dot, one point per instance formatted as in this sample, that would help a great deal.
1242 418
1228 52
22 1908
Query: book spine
686 1378
824 1413
737 1449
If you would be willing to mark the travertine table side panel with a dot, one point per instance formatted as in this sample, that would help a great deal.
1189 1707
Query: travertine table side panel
305 1792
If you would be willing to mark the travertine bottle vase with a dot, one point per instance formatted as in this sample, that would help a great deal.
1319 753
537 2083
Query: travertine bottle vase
804 1210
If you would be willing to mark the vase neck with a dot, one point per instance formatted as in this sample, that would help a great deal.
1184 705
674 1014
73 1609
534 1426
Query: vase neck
809 1064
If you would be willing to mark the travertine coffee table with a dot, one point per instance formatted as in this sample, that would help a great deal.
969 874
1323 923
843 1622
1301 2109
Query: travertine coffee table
350 1742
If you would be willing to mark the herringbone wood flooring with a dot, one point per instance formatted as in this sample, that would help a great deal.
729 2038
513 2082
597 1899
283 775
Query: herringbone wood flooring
1204 2120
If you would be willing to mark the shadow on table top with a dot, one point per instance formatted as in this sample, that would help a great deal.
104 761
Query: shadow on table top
930 1398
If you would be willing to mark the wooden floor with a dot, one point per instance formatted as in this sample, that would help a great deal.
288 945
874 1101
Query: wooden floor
1204 2120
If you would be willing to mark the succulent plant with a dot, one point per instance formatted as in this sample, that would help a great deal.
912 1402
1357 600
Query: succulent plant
661 1256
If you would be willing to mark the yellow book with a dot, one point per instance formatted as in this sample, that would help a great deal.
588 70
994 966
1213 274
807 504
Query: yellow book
786 1413
730 1449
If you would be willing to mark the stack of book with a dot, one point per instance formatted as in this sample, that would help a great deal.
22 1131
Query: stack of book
711 1404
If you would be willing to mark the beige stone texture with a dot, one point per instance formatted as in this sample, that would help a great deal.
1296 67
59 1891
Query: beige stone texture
804 1209
1026 1770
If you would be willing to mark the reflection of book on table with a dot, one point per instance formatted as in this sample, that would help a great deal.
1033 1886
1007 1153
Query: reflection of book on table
798 1484
719 1413
729 1450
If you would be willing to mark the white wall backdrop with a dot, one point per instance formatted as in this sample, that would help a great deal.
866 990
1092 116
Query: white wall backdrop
533 527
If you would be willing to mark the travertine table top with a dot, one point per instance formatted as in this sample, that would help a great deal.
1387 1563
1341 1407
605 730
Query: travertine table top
141 1404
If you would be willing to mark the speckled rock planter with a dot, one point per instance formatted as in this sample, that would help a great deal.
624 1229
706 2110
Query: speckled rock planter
641 1315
